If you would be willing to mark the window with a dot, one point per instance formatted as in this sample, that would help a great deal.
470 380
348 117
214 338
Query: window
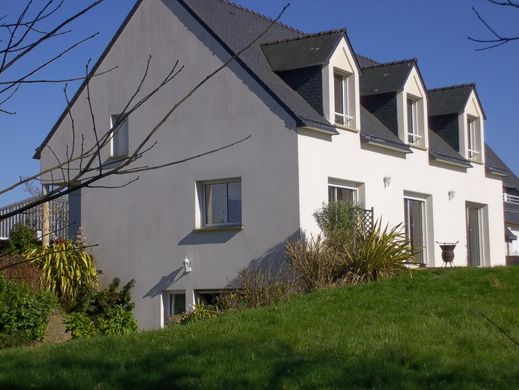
339 193
472 138
119 140
222 203
341 93
177 303
413 123
415 227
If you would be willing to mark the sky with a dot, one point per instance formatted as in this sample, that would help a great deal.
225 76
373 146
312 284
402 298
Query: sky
434 32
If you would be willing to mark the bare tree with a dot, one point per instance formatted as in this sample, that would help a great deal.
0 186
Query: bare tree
82 166
496 38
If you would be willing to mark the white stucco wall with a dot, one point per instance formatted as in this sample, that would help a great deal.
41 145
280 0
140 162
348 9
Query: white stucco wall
342 157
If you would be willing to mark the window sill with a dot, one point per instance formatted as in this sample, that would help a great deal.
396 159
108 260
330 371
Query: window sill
343 127
207 229
417 147
475 161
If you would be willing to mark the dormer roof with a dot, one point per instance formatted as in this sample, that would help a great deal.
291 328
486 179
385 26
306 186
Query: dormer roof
451 100
440 150
302 52
386 77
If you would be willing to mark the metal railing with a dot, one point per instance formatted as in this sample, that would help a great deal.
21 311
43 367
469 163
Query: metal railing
511 198
58 218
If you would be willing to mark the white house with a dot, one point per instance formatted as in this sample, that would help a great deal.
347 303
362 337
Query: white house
325 124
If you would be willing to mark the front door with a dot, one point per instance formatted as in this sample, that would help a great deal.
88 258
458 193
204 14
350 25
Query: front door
474 236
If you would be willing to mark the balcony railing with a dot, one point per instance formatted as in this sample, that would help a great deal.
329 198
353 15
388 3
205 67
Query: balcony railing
511 198
58 218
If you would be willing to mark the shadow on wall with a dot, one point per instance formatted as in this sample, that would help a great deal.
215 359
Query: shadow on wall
273 262
165 282
201 238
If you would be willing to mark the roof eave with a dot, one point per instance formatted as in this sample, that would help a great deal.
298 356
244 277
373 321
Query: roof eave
450 160
386 144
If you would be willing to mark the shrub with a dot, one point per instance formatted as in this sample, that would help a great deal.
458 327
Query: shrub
105 312
337 221
257 288
316 264
379 253
66 269
22 238
201 313
23 314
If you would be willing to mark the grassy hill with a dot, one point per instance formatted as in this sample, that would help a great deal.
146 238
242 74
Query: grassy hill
427 330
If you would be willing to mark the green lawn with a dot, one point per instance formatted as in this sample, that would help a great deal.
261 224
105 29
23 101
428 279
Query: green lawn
409 332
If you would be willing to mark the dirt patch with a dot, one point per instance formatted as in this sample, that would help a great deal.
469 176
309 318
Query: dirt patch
56 333
18 269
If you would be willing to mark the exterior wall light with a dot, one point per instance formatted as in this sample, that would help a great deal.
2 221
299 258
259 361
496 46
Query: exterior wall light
452 194
187 265
387 181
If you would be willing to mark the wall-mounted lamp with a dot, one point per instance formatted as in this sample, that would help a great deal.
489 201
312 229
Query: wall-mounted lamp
387 181
452 194
187 265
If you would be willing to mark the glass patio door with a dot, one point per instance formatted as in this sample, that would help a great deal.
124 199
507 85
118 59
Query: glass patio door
415 227
474 236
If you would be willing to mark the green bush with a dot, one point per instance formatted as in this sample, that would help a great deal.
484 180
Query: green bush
201 313
348 254
22 238
23 314
66 269
338 222
379 253
105 312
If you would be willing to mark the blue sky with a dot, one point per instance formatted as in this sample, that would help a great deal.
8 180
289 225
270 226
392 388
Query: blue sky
435 32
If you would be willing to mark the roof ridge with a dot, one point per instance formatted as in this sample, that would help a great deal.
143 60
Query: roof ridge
305 36
241 7
382 64
368 58
473 85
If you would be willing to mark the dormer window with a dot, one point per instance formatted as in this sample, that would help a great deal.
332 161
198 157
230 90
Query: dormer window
473 144
343 116
414 121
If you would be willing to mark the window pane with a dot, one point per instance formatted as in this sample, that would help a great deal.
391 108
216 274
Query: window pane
178 304
332 197
120 138
410 118
346 195
339 97
234 202
340 194
415 227
215 203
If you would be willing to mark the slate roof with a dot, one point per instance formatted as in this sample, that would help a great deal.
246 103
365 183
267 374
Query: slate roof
374 131
451 100
302 52
440 150
384 78
495 165
235 27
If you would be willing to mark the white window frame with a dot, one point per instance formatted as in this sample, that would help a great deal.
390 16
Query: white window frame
425 237
202 188
473 150
351 188
345 115
169 308
115 133
413 137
